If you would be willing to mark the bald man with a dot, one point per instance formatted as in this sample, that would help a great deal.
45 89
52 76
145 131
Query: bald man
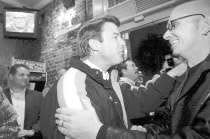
188 111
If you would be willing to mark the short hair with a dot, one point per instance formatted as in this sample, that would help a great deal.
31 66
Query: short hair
14 68
121 66
92 30
190 8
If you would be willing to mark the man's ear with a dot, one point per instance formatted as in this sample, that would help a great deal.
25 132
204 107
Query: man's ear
94 44
205 26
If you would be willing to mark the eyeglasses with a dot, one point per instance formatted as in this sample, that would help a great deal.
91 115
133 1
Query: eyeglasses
171 25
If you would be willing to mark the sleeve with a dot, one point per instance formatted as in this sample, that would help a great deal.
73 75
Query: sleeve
200 129
69 90
151 97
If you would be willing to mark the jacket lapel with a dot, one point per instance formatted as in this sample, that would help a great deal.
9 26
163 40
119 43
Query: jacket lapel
199 99
120 107
197 102
196 91
26 107
194 79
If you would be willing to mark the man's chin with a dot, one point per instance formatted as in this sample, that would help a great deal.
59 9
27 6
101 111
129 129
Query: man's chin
176 53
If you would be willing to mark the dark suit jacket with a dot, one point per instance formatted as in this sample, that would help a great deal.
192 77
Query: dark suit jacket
33 100
99 91
189 110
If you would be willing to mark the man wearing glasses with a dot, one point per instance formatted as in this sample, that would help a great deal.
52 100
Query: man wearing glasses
188 32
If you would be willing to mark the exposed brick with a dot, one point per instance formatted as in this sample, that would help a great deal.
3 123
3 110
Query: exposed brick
57 51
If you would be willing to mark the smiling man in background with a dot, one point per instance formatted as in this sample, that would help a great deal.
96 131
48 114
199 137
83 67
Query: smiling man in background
26 103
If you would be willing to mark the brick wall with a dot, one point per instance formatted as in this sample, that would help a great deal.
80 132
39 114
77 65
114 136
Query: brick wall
56 50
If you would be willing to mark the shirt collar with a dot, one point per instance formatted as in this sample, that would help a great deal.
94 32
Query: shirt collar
93 66
14 93
127 80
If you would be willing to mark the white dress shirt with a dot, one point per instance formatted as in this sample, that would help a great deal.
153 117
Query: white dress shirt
18 102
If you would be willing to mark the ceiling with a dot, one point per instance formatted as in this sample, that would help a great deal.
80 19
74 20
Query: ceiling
34 4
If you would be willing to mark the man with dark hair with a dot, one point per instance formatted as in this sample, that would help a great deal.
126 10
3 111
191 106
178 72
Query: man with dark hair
27 103
87 79
188 31
13 69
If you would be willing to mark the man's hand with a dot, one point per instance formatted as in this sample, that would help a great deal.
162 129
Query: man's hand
79 124
23 133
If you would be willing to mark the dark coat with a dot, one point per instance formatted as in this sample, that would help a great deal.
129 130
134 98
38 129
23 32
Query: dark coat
99 91
136 99
190 112
155 94
130 97
33 100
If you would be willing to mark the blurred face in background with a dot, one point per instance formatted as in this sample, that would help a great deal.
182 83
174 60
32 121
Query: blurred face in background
131 71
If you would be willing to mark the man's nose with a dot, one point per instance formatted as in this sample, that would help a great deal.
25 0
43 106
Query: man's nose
166 35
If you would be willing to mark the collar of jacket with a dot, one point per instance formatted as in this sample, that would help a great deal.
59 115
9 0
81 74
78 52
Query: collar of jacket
199 75
204 65
95 74
8 94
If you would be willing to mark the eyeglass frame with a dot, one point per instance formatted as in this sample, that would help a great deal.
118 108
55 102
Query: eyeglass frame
170 25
